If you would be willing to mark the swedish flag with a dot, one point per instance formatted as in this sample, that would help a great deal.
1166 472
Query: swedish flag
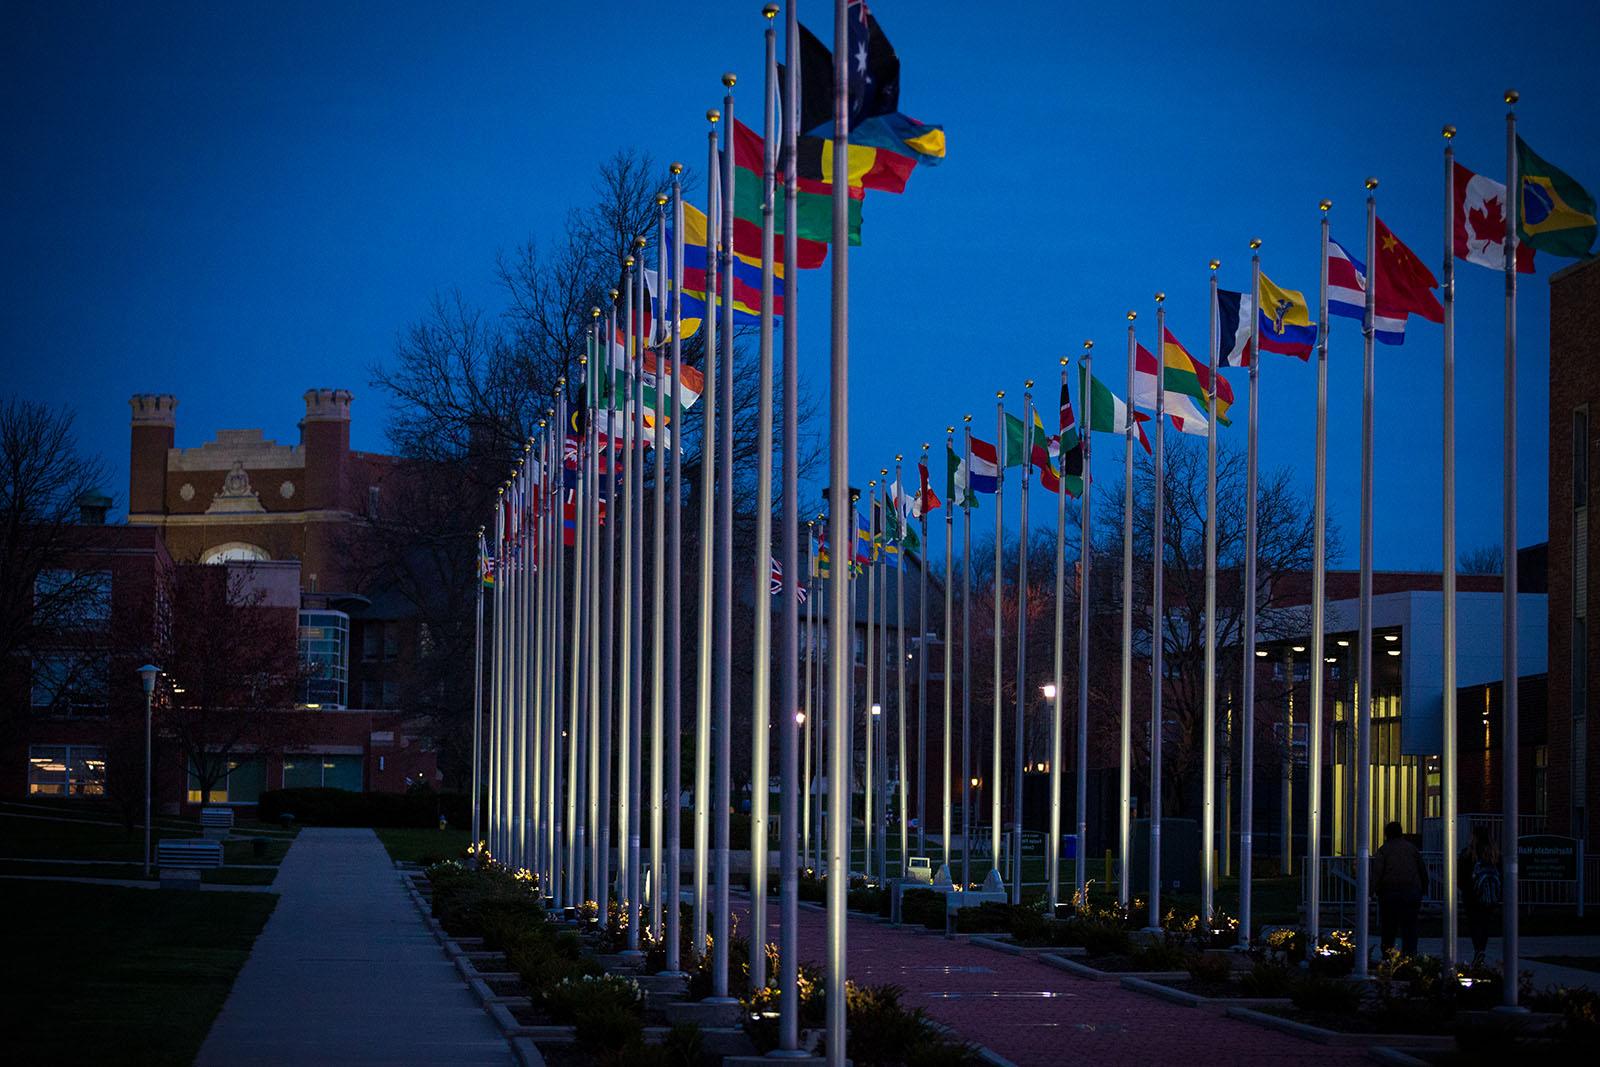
1555 214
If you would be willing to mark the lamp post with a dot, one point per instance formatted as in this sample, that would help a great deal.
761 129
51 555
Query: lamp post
1052 851
147 678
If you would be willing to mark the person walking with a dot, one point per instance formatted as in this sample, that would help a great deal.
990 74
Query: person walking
1479 875
1399 877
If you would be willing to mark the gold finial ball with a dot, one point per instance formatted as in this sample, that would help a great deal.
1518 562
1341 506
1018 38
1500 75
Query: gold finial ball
676 168
501 491
1161 298
1086 346
518 464
480 531
1372 183
661 200
713 115
583 361
550 413
638 242
527 446
999 394
1512 96
1063 361
1214 264
897 458
1449 132
541 424
1132 315
924 446
1325 204
873 484
728 79
1028 384
1255 243
771 11
883 471
561 381
614 295
594 313
628 262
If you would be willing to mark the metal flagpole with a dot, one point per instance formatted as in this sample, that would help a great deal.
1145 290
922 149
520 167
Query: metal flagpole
793 785
1158 568
658 591
1247 685
999 637
708 483
514 704
1125 765
1319 622
531 647
869 821
1052 845
880 723
1208 803
608 614
839 491
477 693
922 666
949 651
635 520
1447 757
627 737
1017 765
966 658
1510 800
900 667
674 727
1080 872
724 628
496 668
561 781
552 650
1364 671
598 800
807 721
761 559
576 765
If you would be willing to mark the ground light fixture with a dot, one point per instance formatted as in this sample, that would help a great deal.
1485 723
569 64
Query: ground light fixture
1049 690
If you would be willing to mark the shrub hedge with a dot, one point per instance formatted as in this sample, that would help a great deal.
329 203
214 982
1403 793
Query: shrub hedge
339 807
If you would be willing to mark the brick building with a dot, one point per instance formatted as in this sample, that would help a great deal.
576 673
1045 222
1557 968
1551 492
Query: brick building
1574 544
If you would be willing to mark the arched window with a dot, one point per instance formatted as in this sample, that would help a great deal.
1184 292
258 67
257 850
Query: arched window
234 552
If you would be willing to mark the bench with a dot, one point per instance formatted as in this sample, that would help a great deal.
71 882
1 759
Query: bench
182 859
216 823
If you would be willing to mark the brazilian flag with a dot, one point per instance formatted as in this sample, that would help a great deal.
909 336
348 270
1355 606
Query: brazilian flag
1556 214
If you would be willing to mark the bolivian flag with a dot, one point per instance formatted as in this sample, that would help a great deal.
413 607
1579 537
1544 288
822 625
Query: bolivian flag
1556 214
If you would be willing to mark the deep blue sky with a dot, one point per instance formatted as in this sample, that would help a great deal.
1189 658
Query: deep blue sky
237 202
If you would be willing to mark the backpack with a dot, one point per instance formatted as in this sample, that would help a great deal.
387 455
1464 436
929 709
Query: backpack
1486 882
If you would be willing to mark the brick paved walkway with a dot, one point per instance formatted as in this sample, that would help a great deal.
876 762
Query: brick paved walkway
1032 1013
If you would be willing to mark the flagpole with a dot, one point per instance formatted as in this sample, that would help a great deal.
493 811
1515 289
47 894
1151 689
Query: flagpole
627 804
1319 622
1247 701
1080 874
1447 758
999 637
839 486
900 669
552 653
761 558
597 800
708 485
922 665
635 520
793 787
1364 671
576 764
868 816
966 659
658 591
559 780
1208 805
1158 567
1017 750
881 726
1125 769
608 613
949 618
674 727
513 704
724 627
1510 799
477 695
808 723
1052 846
496 668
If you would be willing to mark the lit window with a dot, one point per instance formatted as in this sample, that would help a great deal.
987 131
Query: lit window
242 783
66 770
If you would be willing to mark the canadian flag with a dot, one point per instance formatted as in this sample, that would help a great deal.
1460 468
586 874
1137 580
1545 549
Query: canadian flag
1480 223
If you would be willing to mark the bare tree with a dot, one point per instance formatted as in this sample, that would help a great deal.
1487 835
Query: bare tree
43 476
468 387
233 668
1485 559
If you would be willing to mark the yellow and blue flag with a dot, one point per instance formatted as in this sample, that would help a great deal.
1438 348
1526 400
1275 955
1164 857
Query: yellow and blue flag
1284 322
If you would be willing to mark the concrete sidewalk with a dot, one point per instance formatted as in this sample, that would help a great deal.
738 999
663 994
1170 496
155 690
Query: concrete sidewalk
345 972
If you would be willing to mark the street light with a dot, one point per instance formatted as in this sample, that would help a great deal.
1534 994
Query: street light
147 678
1049 690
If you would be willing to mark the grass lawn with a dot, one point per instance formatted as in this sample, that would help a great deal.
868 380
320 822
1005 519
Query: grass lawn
120 871
424 846
114 975
87 837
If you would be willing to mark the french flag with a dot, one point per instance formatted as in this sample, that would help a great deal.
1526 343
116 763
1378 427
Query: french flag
1347 295
984 475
